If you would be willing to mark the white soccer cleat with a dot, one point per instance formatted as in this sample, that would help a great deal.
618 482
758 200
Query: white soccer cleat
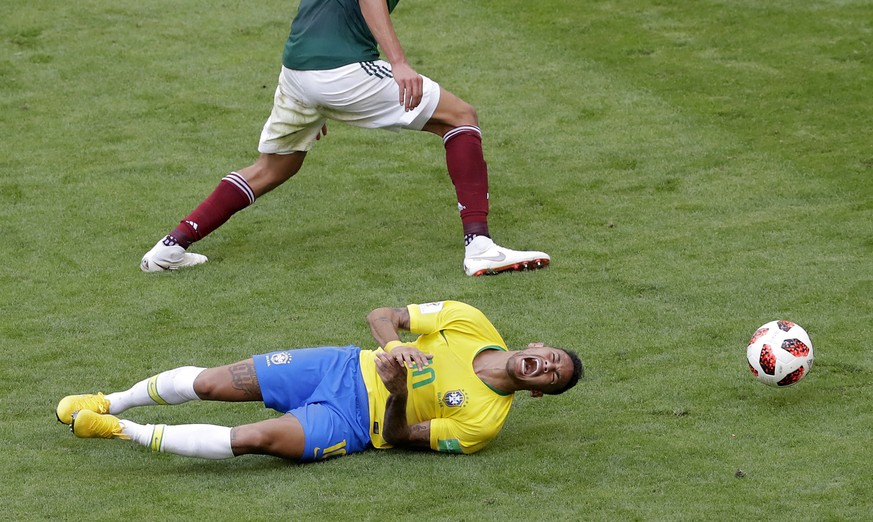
498 259
167 255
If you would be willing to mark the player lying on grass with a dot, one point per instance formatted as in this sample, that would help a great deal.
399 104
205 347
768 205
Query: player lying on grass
331 70
449 390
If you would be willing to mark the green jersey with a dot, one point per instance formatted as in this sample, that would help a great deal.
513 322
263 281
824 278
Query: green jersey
327 34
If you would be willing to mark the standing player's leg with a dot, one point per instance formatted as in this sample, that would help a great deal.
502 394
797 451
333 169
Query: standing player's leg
375 105
288 134
234 192
457 123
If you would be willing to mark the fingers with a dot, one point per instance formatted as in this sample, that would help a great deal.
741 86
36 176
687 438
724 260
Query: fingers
384 360
386 366
413 97
322 133
392 373
408 357
423 359
411 93
414 359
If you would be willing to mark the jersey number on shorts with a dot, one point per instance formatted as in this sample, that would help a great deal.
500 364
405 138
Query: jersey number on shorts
337 450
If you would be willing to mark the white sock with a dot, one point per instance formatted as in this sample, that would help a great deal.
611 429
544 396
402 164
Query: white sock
206 441
169 387
478 246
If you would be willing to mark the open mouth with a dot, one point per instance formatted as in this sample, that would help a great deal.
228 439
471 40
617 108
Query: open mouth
531 366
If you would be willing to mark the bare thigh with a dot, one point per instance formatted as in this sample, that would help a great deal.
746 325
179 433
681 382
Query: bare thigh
237 382
282 437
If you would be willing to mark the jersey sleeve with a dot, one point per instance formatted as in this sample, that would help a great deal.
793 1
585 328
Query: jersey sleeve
448 436
428 318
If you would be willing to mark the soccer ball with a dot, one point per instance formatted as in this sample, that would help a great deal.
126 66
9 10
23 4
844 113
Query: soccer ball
780 353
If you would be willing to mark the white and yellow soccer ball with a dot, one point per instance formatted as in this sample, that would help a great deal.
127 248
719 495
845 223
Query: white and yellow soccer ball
780 353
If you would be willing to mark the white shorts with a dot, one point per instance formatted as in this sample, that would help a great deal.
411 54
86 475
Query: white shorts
360 94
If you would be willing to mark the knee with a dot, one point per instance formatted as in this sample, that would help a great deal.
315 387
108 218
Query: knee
271 170
205 384
247 439
454 112
457 114
466 115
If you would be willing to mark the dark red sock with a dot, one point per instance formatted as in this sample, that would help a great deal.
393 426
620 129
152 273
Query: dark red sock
469 173
230 196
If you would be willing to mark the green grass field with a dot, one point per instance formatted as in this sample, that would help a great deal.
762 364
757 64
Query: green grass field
695 169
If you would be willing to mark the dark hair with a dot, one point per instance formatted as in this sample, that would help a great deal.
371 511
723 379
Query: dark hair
578 372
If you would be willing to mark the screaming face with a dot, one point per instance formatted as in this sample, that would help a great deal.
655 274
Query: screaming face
541 368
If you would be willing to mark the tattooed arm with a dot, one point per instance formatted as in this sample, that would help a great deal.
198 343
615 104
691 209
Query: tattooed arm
386 324
396 430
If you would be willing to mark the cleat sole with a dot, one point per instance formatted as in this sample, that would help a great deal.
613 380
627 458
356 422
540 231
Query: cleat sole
524 266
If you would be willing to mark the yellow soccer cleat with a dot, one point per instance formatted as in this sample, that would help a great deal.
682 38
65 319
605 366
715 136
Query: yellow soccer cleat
92 425
73 403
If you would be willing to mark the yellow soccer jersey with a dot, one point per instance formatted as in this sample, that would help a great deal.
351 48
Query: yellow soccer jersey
465 413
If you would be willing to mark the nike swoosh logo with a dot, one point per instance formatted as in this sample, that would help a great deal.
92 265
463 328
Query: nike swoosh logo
500 257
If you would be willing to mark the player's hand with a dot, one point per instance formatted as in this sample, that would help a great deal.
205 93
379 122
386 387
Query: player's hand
392 372
410 84
411 357
322 133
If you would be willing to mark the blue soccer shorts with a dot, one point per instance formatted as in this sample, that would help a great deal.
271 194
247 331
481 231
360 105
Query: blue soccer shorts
323 388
